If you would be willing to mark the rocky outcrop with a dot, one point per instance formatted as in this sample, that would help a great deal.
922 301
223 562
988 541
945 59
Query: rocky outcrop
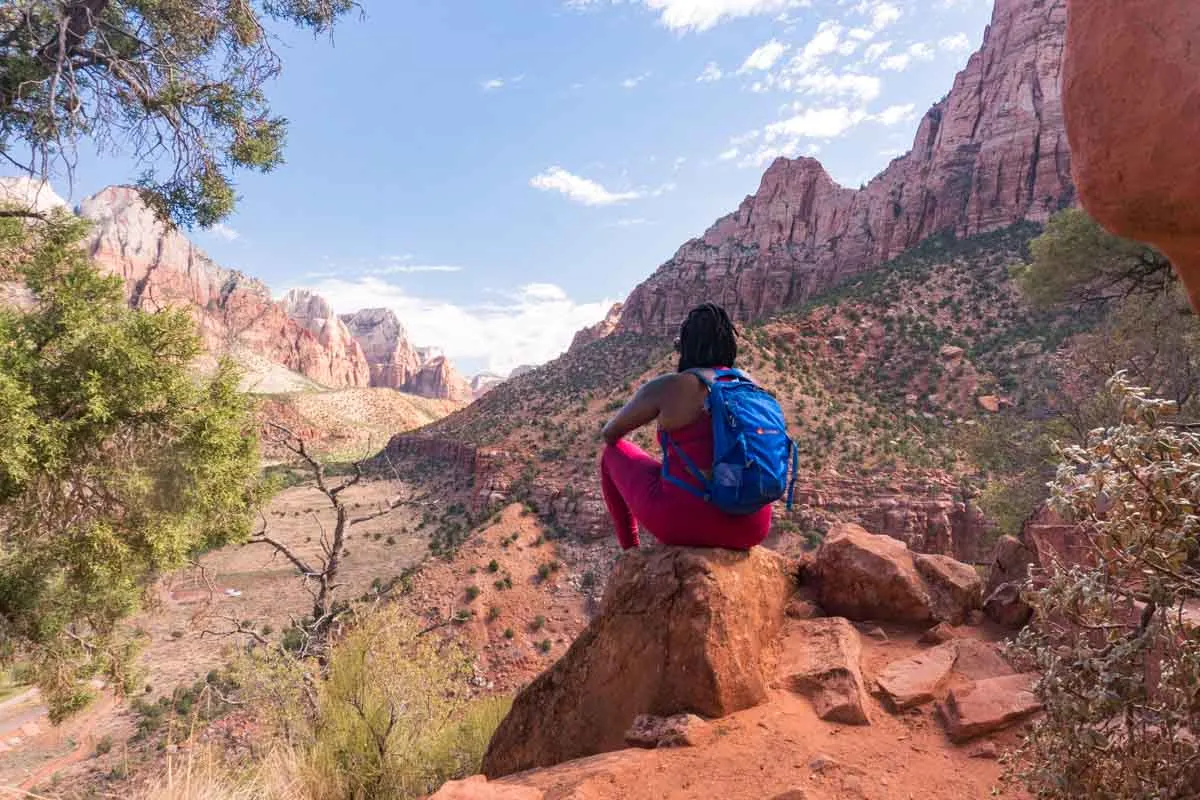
316 316
161 269
438 378
992 153
396 364
598 331
1136 60
680 630
385 344
868 577
916 680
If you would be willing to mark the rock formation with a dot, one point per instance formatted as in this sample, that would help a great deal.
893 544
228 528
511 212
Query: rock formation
162 268
601 329
396 364
993 152
384 341
316 316
1137 60
867 577
679 631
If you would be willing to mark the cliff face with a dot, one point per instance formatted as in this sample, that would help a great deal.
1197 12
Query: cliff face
316 316
396 364
992 153
162 268
601 329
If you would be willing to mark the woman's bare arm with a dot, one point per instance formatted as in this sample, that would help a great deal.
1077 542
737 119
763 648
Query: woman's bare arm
643 409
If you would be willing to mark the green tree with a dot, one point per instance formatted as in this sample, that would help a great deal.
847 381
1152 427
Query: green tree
1117 639
117 461
1076 261
178 84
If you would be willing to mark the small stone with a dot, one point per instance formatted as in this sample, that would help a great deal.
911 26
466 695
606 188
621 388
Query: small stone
791 794
822 762
680 730
986 750
940 633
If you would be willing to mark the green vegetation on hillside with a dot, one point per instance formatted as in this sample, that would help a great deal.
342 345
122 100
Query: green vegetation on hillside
117 462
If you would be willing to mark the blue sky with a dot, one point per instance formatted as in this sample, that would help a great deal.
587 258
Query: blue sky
500 172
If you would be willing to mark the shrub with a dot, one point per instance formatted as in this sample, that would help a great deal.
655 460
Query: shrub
392 719
544 645
509 633
1120 661
104 745
493 566
538 622
472 593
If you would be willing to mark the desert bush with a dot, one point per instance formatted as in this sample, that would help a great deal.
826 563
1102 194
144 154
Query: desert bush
389 718
1120 658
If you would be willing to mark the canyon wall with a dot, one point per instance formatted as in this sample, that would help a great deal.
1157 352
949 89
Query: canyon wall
992 153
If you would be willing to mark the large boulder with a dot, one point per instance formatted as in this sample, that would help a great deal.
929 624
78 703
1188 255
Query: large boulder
1137 60
955 588
680 630
863 576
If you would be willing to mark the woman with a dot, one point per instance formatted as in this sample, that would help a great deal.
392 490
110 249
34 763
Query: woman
632 480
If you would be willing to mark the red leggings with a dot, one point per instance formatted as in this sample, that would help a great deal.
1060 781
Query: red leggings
635 492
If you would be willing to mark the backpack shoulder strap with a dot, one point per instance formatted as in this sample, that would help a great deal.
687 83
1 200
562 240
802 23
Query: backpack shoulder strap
720 375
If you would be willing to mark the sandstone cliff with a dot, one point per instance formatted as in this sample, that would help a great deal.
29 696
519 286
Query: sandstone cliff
316 316
601 329
396 364
992 153
162 268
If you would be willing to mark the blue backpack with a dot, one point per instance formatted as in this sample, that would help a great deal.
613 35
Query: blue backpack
751 449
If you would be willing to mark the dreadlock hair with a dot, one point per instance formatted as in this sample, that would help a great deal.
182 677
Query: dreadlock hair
707 338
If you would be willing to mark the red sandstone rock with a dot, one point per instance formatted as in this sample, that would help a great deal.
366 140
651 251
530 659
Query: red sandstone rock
680 730
992 153
864 576
396 364
989 403
598 331
823 662
955 588
1006 607
989 705
912 681
161 268
316 316
679 630
1132 95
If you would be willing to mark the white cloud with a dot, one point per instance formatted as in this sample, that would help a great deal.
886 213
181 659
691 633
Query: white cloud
896 63
815 123
729 155
921 51
824 42
492 85
712 72
827 84
883 15
958 43
700 15
630 83
223 231
581 190
764 57
894 115
631 222
530 325
876 51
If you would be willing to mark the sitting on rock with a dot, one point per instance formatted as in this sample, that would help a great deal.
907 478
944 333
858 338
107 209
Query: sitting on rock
687 499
